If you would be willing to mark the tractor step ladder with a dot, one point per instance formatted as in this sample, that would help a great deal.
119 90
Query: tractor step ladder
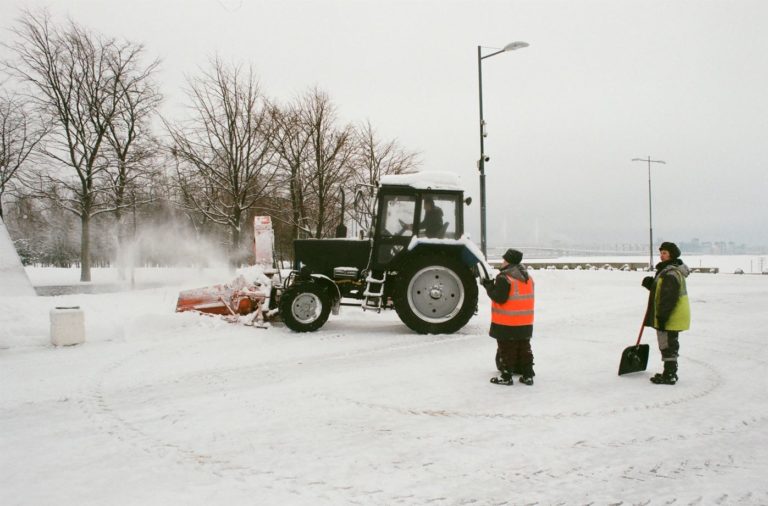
374 292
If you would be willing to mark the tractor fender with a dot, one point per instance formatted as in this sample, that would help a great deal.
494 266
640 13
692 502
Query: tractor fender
333 290
463 249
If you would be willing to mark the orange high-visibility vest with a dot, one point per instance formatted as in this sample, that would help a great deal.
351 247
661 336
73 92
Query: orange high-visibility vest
518 309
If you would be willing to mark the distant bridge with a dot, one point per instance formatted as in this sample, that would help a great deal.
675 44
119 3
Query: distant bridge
596 266
551 251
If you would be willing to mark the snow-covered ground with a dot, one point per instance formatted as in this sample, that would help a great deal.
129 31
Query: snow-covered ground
164 408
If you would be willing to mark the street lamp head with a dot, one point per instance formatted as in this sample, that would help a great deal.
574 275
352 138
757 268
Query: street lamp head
515 45
648 160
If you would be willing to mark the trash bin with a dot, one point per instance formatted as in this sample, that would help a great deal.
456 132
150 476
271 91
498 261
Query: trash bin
67 326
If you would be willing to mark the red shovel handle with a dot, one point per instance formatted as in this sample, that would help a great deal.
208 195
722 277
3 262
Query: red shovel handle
642 327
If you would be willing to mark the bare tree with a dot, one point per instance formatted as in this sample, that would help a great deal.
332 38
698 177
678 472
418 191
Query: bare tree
226 159
129 136
317 159
19 135
330 156
375 158
291 144
77 79
188 188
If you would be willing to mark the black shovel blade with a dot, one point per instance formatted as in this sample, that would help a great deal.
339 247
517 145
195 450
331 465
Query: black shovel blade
634 359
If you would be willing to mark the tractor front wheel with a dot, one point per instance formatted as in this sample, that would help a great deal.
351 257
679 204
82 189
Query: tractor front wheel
435 295
305 307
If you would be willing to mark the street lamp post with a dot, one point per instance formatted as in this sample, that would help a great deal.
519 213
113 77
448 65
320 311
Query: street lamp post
512 46
650 205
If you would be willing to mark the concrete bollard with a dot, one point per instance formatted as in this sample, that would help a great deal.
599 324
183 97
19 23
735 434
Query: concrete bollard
67 326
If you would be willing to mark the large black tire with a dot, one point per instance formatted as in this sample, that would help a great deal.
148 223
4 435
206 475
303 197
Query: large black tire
435 294
305 307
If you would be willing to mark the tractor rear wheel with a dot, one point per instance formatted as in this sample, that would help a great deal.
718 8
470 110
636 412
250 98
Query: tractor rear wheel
435 294
305 307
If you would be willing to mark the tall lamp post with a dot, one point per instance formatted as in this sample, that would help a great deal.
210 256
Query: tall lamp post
512 46
650 206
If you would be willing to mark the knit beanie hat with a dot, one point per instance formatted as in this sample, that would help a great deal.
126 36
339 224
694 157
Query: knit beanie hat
672 248
513 257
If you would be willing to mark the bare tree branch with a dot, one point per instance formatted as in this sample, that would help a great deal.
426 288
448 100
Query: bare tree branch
375 158
19 136
331 150
226 161
291 143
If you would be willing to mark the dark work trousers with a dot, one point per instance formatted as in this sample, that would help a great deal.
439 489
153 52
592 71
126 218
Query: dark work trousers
669 344
514 355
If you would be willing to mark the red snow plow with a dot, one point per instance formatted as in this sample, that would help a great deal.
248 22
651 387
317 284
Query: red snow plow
236 298
239 297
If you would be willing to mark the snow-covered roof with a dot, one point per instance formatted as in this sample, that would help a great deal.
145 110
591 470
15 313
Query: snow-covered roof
428 180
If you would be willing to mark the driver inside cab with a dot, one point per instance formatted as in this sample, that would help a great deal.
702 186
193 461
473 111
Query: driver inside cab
432 224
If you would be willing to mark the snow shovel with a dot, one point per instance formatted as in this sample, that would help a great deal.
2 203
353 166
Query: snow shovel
634 358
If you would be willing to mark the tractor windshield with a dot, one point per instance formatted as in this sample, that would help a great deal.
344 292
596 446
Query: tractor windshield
397 215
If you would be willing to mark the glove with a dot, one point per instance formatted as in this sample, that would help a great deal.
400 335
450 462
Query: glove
487 283
647 282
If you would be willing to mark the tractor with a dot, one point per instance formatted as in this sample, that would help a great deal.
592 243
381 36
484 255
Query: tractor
415 260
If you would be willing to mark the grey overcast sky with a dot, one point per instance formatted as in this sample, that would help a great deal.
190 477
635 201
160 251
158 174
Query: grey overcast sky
602 82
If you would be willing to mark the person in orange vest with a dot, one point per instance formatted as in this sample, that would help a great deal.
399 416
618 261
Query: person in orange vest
512 303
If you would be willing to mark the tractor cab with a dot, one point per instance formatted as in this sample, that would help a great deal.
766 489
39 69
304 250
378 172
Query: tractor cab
406 209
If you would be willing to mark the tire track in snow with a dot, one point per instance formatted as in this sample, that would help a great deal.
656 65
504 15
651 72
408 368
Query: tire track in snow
108 420
274 368
660 476
714 383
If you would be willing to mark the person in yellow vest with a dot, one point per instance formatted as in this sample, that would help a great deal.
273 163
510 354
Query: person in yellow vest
512 303
668 310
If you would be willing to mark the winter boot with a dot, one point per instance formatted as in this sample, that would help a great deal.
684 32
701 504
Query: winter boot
668 377
527 376
504 379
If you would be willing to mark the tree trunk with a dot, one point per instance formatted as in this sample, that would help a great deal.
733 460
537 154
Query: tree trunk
85 247
236 237
121 240
320 218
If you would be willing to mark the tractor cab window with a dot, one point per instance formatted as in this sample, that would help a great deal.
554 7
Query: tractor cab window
438 216
397 215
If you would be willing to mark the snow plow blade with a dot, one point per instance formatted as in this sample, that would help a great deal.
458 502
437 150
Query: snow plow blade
232 299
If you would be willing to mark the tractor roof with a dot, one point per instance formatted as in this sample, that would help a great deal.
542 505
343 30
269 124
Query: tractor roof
424 181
